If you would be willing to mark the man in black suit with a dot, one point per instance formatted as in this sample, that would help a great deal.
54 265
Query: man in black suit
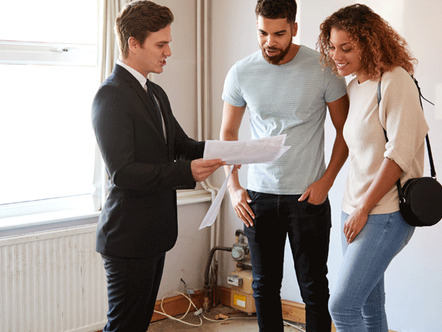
148 156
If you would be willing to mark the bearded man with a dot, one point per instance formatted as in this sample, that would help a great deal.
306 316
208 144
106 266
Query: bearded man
286 91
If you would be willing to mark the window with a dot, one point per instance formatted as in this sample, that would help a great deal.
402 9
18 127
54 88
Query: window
48 78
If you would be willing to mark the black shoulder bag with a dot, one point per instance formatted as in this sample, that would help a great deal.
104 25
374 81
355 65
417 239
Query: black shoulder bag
420 199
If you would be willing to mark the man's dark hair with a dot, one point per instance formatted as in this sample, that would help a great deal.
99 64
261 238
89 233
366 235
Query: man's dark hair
138 19
274 9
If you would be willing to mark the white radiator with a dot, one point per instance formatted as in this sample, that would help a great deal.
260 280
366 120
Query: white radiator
52 281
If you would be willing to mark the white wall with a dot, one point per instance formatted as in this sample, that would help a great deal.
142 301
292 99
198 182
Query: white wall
187 259
414 279
179 76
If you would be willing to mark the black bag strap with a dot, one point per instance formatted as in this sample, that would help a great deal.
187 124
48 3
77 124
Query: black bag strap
427 138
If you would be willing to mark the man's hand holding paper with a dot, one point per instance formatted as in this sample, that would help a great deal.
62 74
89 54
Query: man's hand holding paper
262 150
202 168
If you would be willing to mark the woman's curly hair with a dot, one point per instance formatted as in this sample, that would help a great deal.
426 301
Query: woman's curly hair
380 47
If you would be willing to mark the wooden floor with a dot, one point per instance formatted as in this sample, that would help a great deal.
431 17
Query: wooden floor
237 322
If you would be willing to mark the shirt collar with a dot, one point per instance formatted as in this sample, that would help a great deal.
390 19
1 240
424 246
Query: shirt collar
140 78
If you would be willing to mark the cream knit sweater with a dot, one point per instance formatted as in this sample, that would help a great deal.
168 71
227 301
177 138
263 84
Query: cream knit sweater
402 117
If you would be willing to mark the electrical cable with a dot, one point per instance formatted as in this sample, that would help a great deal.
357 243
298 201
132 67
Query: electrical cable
185 314
191 303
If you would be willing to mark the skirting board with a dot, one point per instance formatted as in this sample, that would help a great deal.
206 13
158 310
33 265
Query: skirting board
177 305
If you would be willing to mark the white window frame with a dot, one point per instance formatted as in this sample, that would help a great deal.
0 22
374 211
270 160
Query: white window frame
17 52
58 212
29 214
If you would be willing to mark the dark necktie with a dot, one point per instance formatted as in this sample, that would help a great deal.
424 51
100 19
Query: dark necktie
157 107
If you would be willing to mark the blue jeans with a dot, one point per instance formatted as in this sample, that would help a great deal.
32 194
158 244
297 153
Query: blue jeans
308 230
357 302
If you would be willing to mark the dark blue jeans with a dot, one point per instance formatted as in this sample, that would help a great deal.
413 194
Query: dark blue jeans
132 286
308 230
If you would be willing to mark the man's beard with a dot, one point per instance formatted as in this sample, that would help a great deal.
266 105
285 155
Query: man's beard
274 60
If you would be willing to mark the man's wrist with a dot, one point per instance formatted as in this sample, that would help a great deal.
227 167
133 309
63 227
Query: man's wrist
233 186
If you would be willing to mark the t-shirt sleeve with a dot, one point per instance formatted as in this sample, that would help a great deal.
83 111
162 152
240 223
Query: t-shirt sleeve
402 117
232 92
335 86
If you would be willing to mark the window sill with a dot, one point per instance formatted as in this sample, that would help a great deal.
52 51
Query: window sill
192 196
38 222
32 223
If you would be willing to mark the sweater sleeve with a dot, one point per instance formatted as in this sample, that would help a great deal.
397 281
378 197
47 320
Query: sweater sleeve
402 117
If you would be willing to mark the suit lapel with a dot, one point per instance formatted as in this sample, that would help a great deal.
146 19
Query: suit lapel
150 112
148 102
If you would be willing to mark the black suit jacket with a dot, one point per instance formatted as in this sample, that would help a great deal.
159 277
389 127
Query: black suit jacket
139 218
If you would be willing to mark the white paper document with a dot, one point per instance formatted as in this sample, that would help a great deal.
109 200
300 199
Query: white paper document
263 150
213 211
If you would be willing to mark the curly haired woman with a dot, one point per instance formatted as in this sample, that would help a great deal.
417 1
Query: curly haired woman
355 40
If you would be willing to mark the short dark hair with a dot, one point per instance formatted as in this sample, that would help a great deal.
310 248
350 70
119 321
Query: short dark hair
274 9
138 19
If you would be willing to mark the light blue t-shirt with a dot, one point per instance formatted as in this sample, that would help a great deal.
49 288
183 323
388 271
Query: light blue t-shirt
285 99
